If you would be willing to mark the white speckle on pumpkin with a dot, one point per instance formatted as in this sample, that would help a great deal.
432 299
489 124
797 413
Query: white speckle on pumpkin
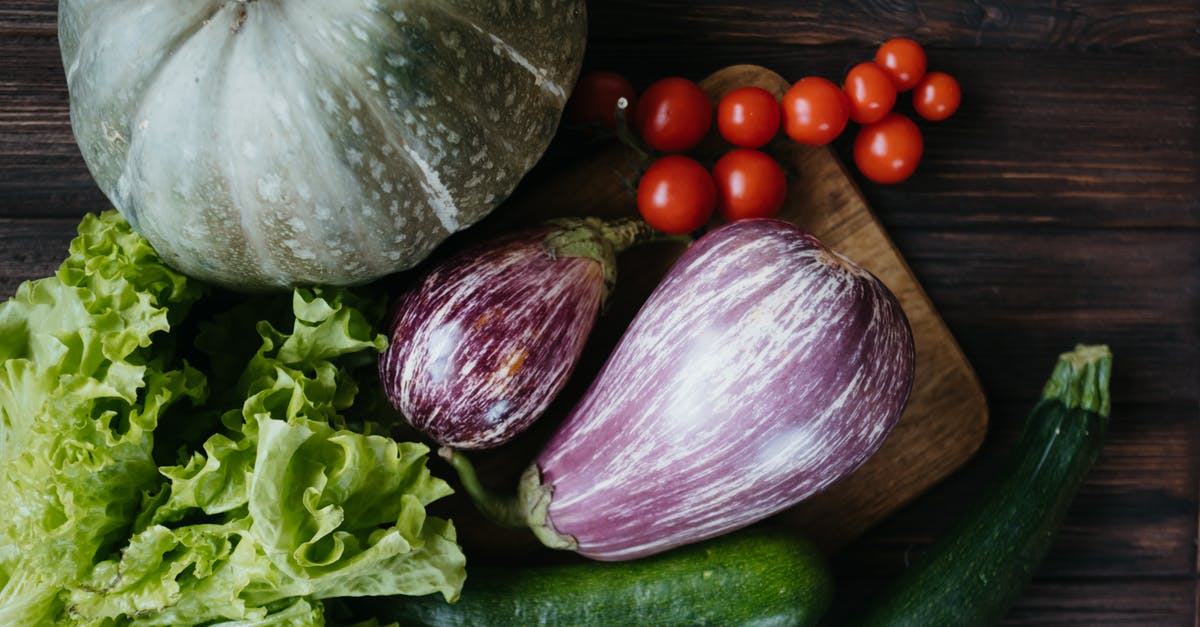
356 126
270 188
393 255
352 102
399 17
355 157
327 100
359 32
376 169
396 60
297 224
301 58
372 71
440 200
387 187
299 251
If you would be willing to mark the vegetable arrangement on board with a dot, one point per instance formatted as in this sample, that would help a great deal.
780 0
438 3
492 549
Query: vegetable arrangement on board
177 452
762 369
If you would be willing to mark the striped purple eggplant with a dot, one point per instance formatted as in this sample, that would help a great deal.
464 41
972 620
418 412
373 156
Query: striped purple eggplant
762 369
486 339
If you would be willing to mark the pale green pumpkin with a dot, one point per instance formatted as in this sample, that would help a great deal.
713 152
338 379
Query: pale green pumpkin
270 143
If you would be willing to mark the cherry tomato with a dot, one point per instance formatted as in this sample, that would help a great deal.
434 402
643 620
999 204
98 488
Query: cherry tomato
748 117
889 150
750 184
870 91
674 114
594 100
676 195
815 111
937 97
903 60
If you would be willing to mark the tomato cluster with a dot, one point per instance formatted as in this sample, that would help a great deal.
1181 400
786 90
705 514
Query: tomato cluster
677 194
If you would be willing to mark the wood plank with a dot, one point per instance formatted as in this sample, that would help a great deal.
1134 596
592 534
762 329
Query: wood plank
1025 148
1135 515
1169 27
31 249
42 173
1100 25
1127 603
1015 298
29 18
1134 602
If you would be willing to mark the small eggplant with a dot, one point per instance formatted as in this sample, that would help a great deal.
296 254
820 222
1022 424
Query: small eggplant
761 370
486 339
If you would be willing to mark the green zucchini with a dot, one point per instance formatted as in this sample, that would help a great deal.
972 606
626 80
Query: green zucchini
751 577
975 571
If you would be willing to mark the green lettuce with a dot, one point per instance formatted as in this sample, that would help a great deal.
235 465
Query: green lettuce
143 495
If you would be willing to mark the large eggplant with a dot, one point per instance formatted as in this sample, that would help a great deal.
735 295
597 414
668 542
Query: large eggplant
486 339
761 370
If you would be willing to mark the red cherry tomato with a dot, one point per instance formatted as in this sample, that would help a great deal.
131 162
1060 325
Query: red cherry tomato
937 97
674 114
748 117
903 60
889 150
676 195
750 184
815 111
871 92
594 100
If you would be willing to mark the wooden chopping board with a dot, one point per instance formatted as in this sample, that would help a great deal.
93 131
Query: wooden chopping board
946 417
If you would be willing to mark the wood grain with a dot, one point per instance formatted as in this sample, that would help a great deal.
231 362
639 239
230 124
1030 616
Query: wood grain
946 416
1025 149
1019 296
1108 25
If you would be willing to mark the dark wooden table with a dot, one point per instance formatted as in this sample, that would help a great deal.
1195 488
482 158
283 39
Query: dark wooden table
1061 204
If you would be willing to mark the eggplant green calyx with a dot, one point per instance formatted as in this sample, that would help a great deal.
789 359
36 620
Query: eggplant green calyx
528 508
1080 379
599 240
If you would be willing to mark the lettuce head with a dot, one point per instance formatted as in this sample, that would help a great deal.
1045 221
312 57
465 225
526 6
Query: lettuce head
175 455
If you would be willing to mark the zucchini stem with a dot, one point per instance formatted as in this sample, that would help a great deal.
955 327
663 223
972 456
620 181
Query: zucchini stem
1080 379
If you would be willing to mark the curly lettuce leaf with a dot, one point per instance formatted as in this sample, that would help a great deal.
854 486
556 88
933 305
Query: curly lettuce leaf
268 503
285 503
83 386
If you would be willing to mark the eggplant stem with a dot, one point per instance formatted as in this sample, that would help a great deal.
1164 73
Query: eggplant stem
600 240
506 511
